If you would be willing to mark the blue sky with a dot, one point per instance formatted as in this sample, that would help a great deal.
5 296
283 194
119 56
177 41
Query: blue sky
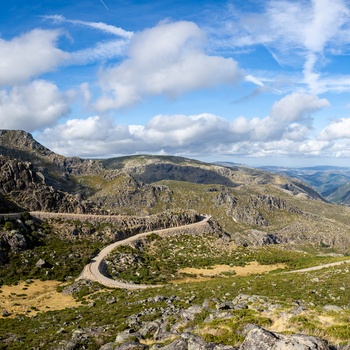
255 82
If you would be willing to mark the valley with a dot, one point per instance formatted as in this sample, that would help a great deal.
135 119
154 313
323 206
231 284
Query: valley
222 248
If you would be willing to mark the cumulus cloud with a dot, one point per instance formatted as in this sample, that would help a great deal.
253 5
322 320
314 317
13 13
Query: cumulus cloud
33 106
338 129
177 134
168 59
297 106
29 55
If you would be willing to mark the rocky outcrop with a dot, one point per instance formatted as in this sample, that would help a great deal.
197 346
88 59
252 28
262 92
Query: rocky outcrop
107 228
13 240
20 145
256 338
25 186
167 171
261 339
258 238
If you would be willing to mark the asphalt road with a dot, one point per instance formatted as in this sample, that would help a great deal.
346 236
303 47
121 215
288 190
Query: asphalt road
93 271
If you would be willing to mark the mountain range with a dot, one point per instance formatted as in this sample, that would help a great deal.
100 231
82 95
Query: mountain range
251 205
271 252
333 183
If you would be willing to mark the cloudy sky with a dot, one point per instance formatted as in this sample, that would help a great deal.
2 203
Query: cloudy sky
247 81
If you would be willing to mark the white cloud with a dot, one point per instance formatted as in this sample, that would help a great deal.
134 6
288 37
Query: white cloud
29 55
254 80
33 106
338 129
297 106
103 50
196 134
106 28
293 31
167 59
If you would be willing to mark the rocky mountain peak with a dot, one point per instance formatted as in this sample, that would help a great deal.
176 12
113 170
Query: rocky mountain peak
15 142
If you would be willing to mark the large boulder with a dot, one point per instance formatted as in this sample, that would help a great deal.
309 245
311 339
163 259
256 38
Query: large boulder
261 339
14 240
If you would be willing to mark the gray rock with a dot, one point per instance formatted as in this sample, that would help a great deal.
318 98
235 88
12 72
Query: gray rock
40 263
149 329
191 312
195 342
128 335
261 339
5 313
225 305
108 346
131 346
178 344
261 238
218 314
332 308
241 306
14 239
77 286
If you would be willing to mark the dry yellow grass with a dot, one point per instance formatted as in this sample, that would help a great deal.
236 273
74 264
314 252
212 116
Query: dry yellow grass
249 269
217 270
34 297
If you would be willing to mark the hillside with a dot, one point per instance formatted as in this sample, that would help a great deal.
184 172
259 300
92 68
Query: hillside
210 285
331 182
250 205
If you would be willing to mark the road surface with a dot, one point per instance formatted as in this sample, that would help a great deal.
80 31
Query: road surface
93 271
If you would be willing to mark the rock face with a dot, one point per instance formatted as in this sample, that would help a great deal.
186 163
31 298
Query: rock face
14 240
20 182
261 339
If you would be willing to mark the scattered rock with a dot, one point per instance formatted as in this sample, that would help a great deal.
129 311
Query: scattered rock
128 335
131 346
5 313
41 263
178 344
332 308
261 339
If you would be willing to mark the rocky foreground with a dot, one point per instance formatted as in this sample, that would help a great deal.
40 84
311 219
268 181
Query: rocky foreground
176 328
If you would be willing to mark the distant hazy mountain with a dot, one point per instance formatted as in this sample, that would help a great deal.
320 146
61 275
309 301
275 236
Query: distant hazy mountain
333 183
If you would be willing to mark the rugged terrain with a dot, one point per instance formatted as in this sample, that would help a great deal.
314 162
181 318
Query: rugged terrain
252 206
332 182
260 221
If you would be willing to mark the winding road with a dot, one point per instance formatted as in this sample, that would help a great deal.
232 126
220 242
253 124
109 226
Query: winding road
319 267
93 271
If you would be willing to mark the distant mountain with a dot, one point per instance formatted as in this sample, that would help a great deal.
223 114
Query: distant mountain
253 206
333 183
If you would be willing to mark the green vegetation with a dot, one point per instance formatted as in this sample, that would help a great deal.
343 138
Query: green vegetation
63 260
229 331
158 259
41 331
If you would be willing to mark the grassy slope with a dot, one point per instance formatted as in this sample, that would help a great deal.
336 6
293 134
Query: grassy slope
313 289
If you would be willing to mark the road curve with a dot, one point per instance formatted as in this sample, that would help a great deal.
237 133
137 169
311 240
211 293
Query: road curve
93 271
319 267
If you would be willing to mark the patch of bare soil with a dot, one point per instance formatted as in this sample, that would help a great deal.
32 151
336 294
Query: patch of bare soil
221 270
31 298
